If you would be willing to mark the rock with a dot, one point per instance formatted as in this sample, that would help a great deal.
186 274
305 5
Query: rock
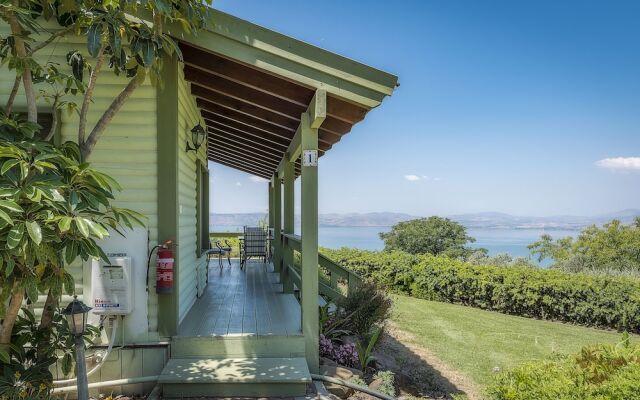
340 373
375 384
328 361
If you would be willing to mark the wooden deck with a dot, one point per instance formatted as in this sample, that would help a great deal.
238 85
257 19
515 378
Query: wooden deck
243 302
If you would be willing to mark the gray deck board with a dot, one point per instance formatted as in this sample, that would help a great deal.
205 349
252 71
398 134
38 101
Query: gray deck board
243 302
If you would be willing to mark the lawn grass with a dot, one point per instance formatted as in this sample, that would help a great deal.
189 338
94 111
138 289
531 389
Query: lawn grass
474 341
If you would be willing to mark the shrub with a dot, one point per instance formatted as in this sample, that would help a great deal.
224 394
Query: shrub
585 299
597 372
367 307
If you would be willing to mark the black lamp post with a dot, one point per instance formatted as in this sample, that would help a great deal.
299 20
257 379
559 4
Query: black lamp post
198 135
76 314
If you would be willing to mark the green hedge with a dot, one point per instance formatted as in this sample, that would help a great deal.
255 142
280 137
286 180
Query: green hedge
610 302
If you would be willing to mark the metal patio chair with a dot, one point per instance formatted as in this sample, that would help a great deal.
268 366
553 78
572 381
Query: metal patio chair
221 251
254 244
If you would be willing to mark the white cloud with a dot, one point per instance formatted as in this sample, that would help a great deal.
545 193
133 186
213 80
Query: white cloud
414 178
620 163
238 184
257 179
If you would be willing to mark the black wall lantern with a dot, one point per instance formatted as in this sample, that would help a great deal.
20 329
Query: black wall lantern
198 135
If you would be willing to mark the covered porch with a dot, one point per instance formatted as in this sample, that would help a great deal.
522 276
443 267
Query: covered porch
272 106
249 302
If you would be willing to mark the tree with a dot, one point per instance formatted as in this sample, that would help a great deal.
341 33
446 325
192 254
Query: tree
117 40
433 235
53 208
614 247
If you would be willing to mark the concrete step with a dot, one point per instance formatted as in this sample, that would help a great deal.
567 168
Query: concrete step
237 346
234 377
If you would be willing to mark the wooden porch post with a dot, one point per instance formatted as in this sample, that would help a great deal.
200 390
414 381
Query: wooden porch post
277 221
289 215
309 144
270 191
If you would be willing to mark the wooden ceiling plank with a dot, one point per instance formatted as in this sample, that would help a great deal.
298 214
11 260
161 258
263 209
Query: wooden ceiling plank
247 142
243 153
262 174
233 141
257 139
220 122
239 121
247 164
265 139
267 116
245 119
245 75
240 92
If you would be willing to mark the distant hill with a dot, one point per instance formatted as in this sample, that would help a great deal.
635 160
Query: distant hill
488 220
484 220
350 219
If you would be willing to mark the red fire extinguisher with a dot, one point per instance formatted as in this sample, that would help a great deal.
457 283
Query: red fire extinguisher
164 269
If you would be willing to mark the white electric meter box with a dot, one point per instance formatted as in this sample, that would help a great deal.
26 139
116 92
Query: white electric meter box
112 286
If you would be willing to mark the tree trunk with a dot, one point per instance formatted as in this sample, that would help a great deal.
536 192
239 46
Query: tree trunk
45 324
87 147
17 295
21 51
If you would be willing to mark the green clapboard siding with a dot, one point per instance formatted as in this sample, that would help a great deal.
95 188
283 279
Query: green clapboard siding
191 268
126 151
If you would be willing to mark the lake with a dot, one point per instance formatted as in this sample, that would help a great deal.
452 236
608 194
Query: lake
511 241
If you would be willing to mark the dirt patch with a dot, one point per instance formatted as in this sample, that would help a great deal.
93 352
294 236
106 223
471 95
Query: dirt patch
420 372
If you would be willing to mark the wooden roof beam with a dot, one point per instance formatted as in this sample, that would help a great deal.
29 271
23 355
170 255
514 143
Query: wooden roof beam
242 153
232 159
232 142
245 119
248 170
240 92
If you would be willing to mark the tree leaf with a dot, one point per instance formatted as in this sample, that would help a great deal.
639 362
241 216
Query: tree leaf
5 217
94 39
4 356
64 224
15 236
7 165
9 269
148 51
10 205
81 224
35 232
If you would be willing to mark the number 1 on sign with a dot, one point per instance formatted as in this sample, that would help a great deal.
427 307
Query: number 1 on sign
310 158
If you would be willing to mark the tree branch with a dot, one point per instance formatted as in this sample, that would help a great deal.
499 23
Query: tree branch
82 124
54 119
21 51
51 38
87 147
12 95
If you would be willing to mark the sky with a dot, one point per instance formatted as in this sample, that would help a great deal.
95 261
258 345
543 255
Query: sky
523 107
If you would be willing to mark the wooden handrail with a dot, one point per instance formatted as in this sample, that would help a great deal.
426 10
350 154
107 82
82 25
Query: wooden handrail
337 273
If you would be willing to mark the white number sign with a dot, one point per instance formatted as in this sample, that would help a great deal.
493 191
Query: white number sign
310 158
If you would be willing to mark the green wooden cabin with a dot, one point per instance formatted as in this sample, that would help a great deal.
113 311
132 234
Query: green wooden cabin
266 100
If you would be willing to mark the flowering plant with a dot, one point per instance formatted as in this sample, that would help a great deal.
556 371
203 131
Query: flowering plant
344 354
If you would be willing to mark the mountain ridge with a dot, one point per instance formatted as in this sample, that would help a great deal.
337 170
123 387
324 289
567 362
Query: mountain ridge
480 220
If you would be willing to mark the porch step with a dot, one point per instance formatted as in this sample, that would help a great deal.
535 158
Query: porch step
234 377
237 346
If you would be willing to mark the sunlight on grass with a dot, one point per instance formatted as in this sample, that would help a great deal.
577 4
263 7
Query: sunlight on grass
475 341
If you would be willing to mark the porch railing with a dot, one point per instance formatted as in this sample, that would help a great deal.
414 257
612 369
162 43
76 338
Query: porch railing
336 282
